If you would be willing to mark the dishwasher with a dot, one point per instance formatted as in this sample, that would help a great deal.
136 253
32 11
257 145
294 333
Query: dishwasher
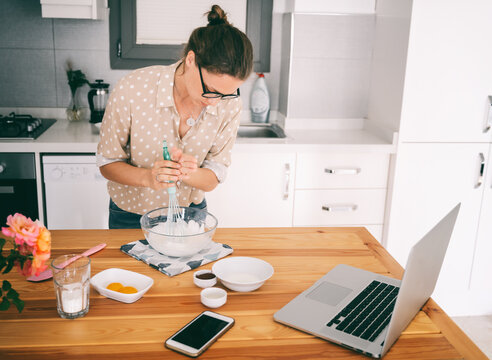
75 193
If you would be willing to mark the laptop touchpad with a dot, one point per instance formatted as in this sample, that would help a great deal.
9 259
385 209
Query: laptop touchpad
329 293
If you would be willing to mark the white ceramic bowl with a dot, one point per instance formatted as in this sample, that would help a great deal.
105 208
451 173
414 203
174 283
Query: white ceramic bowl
175 245
213 297
242 273
204 283
127 278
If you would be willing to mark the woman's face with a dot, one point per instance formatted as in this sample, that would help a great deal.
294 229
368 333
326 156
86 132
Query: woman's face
220 83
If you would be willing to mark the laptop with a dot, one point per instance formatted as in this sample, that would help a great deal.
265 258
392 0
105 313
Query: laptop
365 311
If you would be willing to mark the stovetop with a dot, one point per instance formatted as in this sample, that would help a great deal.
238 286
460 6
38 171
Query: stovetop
22 127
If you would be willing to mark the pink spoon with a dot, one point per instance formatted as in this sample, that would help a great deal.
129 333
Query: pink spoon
48 274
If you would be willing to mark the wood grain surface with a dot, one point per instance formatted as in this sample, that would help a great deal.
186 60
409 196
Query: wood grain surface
300 256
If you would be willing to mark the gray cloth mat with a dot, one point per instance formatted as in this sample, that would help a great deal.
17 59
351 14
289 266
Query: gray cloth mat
141 250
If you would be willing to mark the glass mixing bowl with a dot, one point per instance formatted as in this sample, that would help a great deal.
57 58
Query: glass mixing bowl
198 229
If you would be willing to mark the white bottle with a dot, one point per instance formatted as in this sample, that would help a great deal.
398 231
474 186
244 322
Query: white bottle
260 101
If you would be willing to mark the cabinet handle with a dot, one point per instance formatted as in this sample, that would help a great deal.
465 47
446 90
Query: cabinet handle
6 189
353 171
286 181
480 174
339 207
489 115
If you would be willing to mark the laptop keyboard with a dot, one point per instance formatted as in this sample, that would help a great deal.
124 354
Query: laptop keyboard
369 313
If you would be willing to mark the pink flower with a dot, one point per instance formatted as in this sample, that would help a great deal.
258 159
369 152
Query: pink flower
32 239
16 222
22 229
29 232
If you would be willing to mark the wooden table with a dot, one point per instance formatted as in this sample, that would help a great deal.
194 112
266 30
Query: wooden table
300 256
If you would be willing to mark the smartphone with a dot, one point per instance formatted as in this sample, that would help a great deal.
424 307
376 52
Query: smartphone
201 332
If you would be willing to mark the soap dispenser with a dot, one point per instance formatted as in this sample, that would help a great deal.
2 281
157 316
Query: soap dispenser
260 100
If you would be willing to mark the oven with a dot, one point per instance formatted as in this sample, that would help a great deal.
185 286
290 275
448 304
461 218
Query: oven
18 191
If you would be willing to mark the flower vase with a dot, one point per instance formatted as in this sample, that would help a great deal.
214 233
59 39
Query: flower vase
75 111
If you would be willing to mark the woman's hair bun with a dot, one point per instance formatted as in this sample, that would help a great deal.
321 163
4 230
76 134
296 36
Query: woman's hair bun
217 16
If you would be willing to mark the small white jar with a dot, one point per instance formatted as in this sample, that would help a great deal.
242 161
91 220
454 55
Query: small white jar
213 297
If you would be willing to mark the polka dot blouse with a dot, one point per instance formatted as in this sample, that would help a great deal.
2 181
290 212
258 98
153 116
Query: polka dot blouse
140 114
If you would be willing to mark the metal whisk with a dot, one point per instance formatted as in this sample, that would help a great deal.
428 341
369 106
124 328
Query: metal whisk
175 221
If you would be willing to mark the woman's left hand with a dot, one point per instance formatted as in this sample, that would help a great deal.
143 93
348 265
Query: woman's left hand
188 163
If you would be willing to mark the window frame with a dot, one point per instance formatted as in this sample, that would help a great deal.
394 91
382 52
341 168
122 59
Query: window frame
125 53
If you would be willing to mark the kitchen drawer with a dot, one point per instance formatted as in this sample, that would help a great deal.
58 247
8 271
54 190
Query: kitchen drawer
342 207
347 170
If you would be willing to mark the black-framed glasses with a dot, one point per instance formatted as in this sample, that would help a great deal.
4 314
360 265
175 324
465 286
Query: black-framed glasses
214 94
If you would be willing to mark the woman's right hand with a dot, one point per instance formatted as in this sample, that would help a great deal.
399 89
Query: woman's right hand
162 172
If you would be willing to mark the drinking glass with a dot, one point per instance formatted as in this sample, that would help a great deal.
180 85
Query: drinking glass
71 284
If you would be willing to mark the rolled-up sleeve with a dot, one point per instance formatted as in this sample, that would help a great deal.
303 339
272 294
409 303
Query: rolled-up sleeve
115 127
218 158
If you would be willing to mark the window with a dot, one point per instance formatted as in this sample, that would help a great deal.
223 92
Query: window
125 53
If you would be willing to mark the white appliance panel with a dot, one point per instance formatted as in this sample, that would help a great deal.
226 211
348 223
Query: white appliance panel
76 196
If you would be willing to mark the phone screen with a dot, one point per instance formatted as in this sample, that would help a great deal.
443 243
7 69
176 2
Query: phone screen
200 331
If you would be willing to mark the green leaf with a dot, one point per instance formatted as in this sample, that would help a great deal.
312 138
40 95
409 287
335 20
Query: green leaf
2 243
6 285
12 294
3 262
5 304
19 304
10 264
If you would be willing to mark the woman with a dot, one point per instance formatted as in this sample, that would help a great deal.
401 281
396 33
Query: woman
194 105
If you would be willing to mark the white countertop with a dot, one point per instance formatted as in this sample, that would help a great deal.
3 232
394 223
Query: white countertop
82 137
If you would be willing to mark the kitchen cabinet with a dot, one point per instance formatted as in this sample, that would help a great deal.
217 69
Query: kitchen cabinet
341 189
444 79
480 284
75 9
448 73
270 189
430 180
258 191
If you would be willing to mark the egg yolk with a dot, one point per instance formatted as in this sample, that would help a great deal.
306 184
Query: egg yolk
128 290
114 286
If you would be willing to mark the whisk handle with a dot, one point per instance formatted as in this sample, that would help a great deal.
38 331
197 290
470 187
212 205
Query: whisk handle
167 156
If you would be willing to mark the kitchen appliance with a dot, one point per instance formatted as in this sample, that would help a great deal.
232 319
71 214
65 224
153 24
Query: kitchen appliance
98 97
75 192
18 192
22 127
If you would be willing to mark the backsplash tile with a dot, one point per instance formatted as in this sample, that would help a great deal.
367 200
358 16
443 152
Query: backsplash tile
22 27
333 36
330 66
27 76
75 34
329 88
93 63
